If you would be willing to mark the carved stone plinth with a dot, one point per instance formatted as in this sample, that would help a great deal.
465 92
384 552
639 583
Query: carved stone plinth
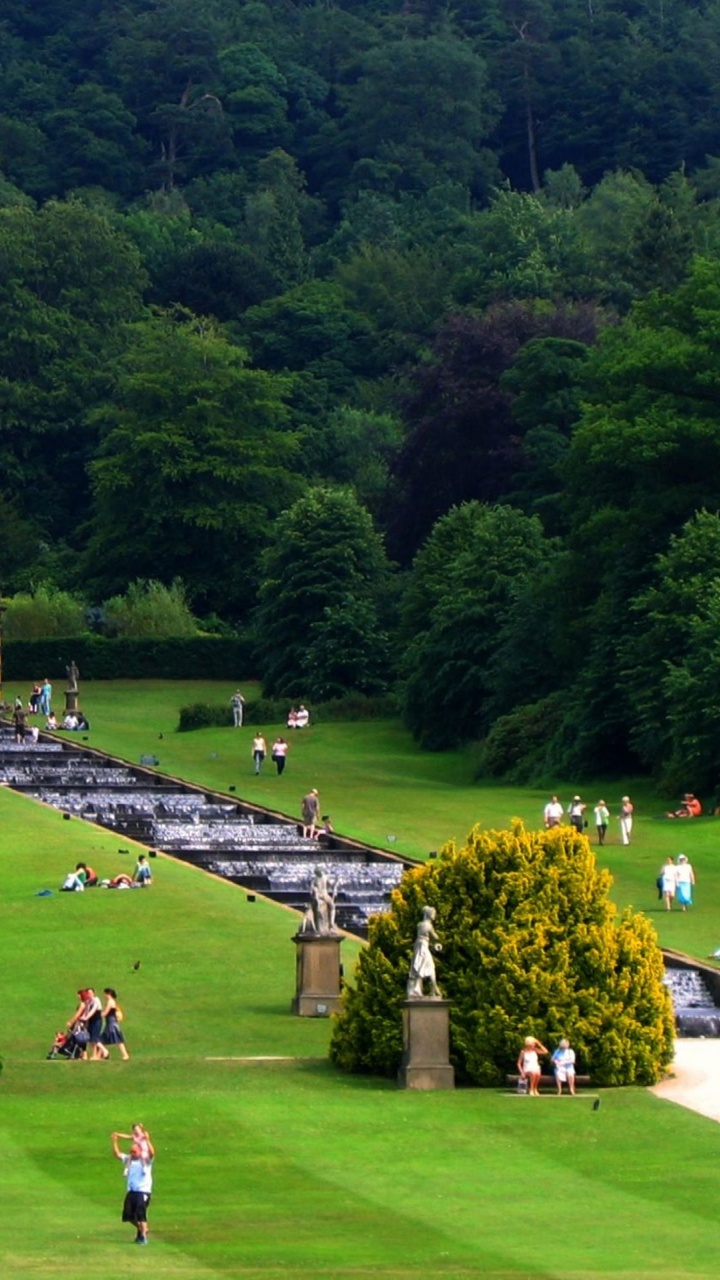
317 970
426 1046
71 700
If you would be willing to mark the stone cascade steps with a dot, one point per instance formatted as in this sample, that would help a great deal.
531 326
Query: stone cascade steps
264 852
101 804
213 835
363 888
26 777
696 1013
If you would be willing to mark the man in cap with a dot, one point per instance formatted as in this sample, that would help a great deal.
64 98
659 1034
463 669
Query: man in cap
577 810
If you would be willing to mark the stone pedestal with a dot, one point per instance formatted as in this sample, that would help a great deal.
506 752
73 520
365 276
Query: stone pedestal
317 970
426 1046
71 700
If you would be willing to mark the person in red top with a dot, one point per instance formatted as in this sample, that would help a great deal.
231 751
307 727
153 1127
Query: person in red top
690 807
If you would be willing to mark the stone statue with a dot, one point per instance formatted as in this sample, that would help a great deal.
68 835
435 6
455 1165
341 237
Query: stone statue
72 677
322 901
422 965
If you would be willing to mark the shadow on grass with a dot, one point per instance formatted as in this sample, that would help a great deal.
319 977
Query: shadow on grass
269 1010
326 1070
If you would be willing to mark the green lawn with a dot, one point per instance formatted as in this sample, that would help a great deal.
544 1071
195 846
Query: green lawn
287 1170
376 783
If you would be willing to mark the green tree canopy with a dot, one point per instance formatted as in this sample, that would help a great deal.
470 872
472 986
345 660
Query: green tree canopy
44 612
669 660
531 946
459 595
319 625
68 283
195 462
420 111
643 458
149 609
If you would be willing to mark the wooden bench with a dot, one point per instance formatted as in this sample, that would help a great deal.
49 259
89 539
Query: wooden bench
547 1082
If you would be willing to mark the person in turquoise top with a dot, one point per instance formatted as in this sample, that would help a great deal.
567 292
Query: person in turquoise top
143 874
46 697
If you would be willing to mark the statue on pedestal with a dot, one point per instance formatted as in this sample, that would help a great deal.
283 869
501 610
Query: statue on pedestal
322 902
422 965
73 676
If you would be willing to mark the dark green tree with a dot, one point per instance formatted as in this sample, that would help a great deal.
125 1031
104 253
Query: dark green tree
463 441
313 332
669 660
274 220
545 381
644 457
532 945
355 448
68 283
195 460
319 623
421 110
21 542
648 435
458 598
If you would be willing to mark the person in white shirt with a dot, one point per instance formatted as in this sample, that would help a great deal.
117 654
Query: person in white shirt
668 882
138 1169
529 1064
563 1060
685 879
553 813
259 750
602 815
237 702
626 819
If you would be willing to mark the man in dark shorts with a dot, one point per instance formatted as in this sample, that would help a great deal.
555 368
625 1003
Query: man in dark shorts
310 810
137 1168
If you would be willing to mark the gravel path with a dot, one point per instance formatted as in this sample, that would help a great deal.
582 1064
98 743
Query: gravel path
695 1082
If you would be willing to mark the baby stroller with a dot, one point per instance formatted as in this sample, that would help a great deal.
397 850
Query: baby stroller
66 1045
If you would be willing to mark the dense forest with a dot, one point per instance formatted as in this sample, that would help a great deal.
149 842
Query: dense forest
390 330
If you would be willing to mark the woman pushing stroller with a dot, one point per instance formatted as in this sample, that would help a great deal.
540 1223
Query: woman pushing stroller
86 1025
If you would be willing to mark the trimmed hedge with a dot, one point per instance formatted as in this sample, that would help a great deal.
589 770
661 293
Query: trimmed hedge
99 658
206 715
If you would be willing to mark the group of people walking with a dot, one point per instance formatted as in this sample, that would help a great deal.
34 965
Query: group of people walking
675 882
95 1027
279 752
554 812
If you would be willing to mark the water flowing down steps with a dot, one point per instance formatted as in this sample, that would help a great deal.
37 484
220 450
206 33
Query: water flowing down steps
694 989
261 850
